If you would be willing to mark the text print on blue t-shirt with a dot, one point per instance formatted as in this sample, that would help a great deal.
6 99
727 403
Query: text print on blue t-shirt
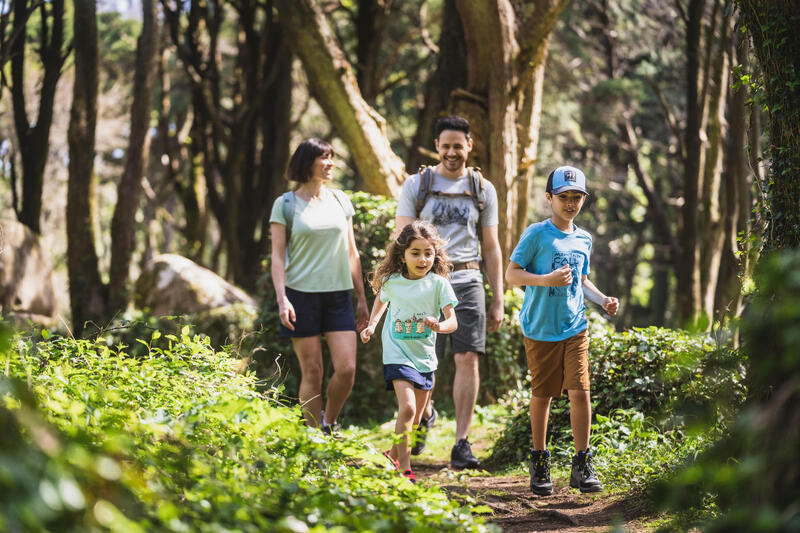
574 260
412 327
446 213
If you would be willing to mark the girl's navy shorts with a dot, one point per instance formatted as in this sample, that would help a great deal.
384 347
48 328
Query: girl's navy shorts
420 380
320 312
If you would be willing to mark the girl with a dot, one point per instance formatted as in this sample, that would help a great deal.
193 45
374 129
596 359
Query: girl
314 280
412 282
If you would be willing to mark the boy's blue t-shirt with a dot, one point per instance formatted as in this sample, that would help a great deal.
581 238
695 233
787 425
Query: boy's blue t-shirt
406 338
553 313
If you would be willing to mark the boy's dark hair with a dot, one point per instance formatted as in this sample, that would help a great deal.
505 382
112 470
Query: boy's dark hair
452 122
303 158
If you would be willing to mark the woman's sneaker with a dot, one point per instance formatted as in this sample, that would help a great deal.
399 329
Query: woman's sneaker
583 476
539 467
461 456
409 474
421 434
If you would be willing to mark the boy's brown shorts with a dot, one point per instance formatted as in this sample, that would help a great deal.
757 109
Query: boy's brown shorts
558 366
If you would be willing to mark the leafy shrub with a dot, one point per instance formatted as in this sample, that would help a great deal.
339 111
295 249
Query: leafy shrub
643 370
751 474
197 448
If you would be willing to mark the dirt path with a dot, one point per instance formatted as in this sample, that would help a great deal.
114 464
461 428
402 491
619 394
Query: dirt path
516 509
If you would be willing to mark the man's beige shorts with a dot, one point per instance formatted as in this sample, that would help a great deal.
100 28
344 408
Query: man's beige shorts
558 366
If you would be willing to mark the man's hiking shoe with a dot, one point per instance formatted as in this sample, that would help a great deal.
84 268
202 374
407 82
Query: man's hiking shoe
332 430
583 475
421 434
539 467
461 456
409 474
395 462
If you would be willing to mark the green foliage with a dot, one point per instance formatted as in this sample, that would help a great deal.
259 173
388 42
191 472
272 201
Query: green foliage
649 372
752 474
178 441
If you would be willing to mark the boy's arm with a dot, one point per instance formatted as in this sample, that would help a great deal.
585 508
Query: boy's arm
377 312
516 275
448 325
608 303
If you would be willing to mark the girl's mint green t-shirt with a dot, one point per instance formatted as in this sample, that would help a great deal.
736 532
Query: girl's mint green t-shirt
317 253
406 339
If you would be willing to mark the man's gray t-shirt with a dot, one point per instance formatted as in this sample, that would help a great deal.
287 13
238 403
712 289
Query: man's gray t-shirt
456 218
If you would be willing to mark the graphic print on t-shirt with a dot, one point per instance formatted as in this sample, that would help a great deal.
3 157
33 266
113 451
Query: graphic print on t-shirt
453 212
409 326
573 259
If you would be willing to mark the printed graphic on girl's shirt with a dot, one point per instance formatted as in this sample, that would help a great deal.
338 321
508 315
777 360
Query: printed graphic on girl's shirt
574 260
410 327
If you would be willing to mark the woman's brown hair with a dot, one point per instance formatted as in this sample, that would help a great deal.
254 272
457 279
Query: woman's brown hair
393 262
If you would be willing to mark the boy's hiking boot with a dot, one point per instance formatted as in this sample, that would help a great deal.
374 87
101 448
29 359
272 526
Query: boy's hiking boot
461 456
409 474
421 434
583 475
539 467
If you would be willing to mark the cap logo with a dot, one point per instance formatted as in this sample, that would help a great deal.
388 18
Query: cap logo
569 175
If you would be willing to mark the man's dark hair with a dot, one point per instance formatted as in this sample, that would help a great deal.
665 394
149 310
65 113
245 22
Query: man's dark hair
303 158
453 122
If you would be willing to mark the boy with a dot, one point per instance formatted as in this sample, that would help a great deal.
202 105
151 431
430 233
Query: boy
551 261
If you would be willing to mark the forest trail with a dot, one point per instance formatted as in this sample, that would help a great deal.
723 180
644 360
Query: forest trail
515 509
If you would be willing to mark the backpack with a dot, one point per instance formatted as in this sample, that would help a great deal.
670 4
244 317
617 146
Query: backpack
288 209
477 190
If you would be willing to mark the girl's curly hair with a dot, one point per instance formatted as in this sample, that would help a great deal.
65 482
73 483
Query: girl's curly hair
393 262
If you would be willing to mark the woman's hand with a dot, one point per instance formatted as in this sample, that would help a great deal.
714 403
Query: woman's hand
286 313
362 314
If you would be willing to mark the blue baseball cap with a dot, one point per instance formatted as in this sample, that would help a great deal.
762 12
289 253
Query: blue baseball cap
566 179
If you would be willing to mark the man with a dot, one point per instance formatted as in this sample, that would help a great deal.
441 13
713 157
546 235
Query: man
449 203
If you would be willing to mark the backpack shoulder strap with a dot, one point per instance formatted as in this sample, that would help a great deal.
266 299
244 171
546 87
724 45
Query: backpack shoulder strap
288 213
478 188
425 175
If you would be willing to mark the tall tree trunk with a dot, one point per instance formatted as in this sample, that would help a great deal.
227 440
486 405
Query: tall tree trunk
450 73
499 80
34 140
335 88
712 216
87 293
688 271
123 223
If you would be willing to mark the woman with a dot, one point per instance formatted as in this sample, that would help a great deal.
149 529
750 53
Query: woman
313 281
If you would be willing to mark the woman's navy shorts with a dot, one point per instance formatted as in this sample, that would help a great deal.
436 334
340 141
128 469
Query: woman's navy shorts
320 312
420 380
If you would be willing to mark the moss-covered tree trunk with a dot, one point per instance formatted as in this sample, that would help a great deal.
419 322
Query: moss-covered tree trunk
773 26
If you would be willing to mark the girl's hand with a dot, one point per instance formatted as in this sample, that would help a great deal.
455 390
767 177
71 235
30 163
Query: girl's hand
560 277
286 313
432 323
366 333
610 305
